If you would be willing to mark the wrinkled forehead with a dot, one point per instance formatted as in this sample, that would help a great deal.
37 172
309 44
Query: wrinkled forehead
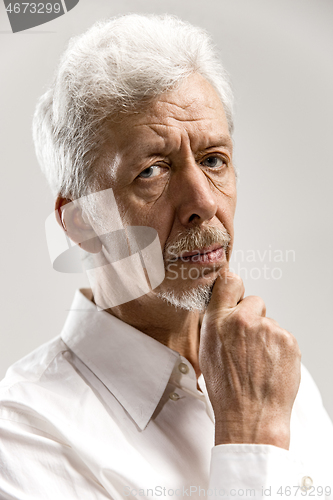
193 109
193 99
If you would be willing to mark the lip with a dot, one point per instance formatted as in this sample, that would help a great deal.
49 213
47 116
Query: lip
213 253
201 251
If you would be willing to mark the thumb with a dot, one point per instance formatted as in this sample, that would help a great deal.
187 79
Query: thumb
228 290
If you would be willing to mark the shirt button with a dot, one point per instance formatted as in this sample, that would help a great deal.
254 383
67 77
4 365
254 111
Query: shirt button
174 396
183 368
306 483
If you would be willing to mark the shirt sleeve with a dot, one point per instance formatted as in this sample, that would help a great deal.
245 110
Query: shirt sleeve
257 471
36 466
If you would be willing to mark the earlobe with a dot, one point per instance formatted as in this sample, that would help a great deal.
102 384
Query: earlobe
69 217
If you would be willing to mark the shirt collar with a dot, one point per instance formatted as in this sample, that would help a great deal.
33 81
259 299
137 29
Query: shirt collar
133 366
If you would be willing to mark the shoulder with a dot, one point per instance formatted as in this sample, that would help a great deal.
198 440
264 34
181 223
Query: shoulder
32 366
33 384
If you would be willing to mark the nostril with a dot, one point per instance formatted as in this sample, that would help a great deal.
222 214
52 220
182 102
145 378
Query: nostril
193 216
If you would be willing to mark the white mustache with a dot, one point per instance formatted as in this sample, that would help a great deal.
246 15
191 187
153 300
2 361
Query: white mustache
195 239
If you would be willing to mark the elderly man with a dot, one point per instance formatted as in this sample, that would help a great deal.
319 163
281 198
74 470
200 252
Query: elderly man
188 389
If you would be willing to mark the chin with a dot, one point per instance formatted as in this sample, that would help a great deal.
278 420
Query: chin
189 295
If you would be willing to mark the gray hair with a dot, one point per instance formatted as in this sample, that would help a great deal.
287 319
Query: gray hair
117 65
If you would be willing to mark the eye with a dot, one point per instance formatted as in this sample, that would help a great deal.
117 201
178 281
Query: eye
214 161
152 171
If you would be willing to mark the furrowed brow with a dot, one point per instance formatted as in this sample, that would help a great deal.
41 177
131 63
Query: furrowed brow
221 141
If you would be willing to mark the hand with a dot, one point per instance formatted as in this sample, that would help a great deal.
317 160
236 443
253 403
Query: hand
251 367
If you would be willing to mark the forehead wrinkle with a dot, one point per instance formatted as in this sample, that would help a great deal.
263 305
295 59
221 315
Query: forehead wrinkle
198 139
173 136
187 100
195 111
138 142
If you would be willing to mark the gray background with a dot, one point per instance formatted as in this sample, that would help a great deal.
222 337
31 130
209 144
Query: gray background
279 54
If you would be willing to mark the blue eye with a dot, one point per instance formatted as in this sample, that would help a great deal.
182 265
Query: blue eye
152 171
213 162
147 173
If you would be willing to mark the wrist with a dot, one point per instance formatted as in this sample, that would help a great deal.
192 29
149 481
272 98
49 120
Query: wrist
235 432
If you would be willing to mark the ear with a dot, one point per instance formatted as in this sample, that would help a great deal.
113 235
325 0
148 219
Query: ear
69 217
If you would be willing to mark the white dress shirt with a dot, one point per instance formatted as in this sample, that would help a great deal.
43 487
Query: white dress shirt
104 411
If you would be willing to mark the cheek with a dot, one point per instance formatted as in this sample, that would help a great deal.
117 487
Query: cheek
149 192
135 211
224 186
226 209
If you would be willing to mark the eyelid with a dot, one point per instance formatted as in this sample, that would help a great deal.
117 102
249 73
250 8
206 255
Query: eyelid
221 156
163 166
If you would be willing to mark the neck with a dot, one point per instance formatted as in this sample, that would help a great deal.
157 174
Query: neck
175 328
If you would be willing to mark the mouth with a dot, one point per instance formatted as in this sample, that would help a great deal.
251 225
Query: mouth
213 253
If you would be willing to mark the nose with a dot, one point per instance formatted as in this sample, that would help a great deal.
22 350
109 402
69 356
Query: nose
195 200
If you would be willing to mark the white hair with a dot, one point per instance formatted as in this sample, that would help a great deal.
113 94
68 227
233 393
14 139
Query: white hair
117 65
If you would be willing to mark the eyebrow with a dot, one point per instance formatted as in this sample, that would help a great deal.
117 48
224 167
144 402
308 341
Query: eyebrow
152 148
217 142
223 140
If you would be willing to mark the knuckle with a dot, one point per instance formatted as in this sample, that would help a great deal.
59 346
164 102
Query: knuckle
267 325
242 320
258 302
281 336
288 340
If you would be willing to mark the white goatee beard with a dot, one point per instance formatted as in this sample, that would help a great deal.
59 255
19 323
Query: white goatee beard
195 299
